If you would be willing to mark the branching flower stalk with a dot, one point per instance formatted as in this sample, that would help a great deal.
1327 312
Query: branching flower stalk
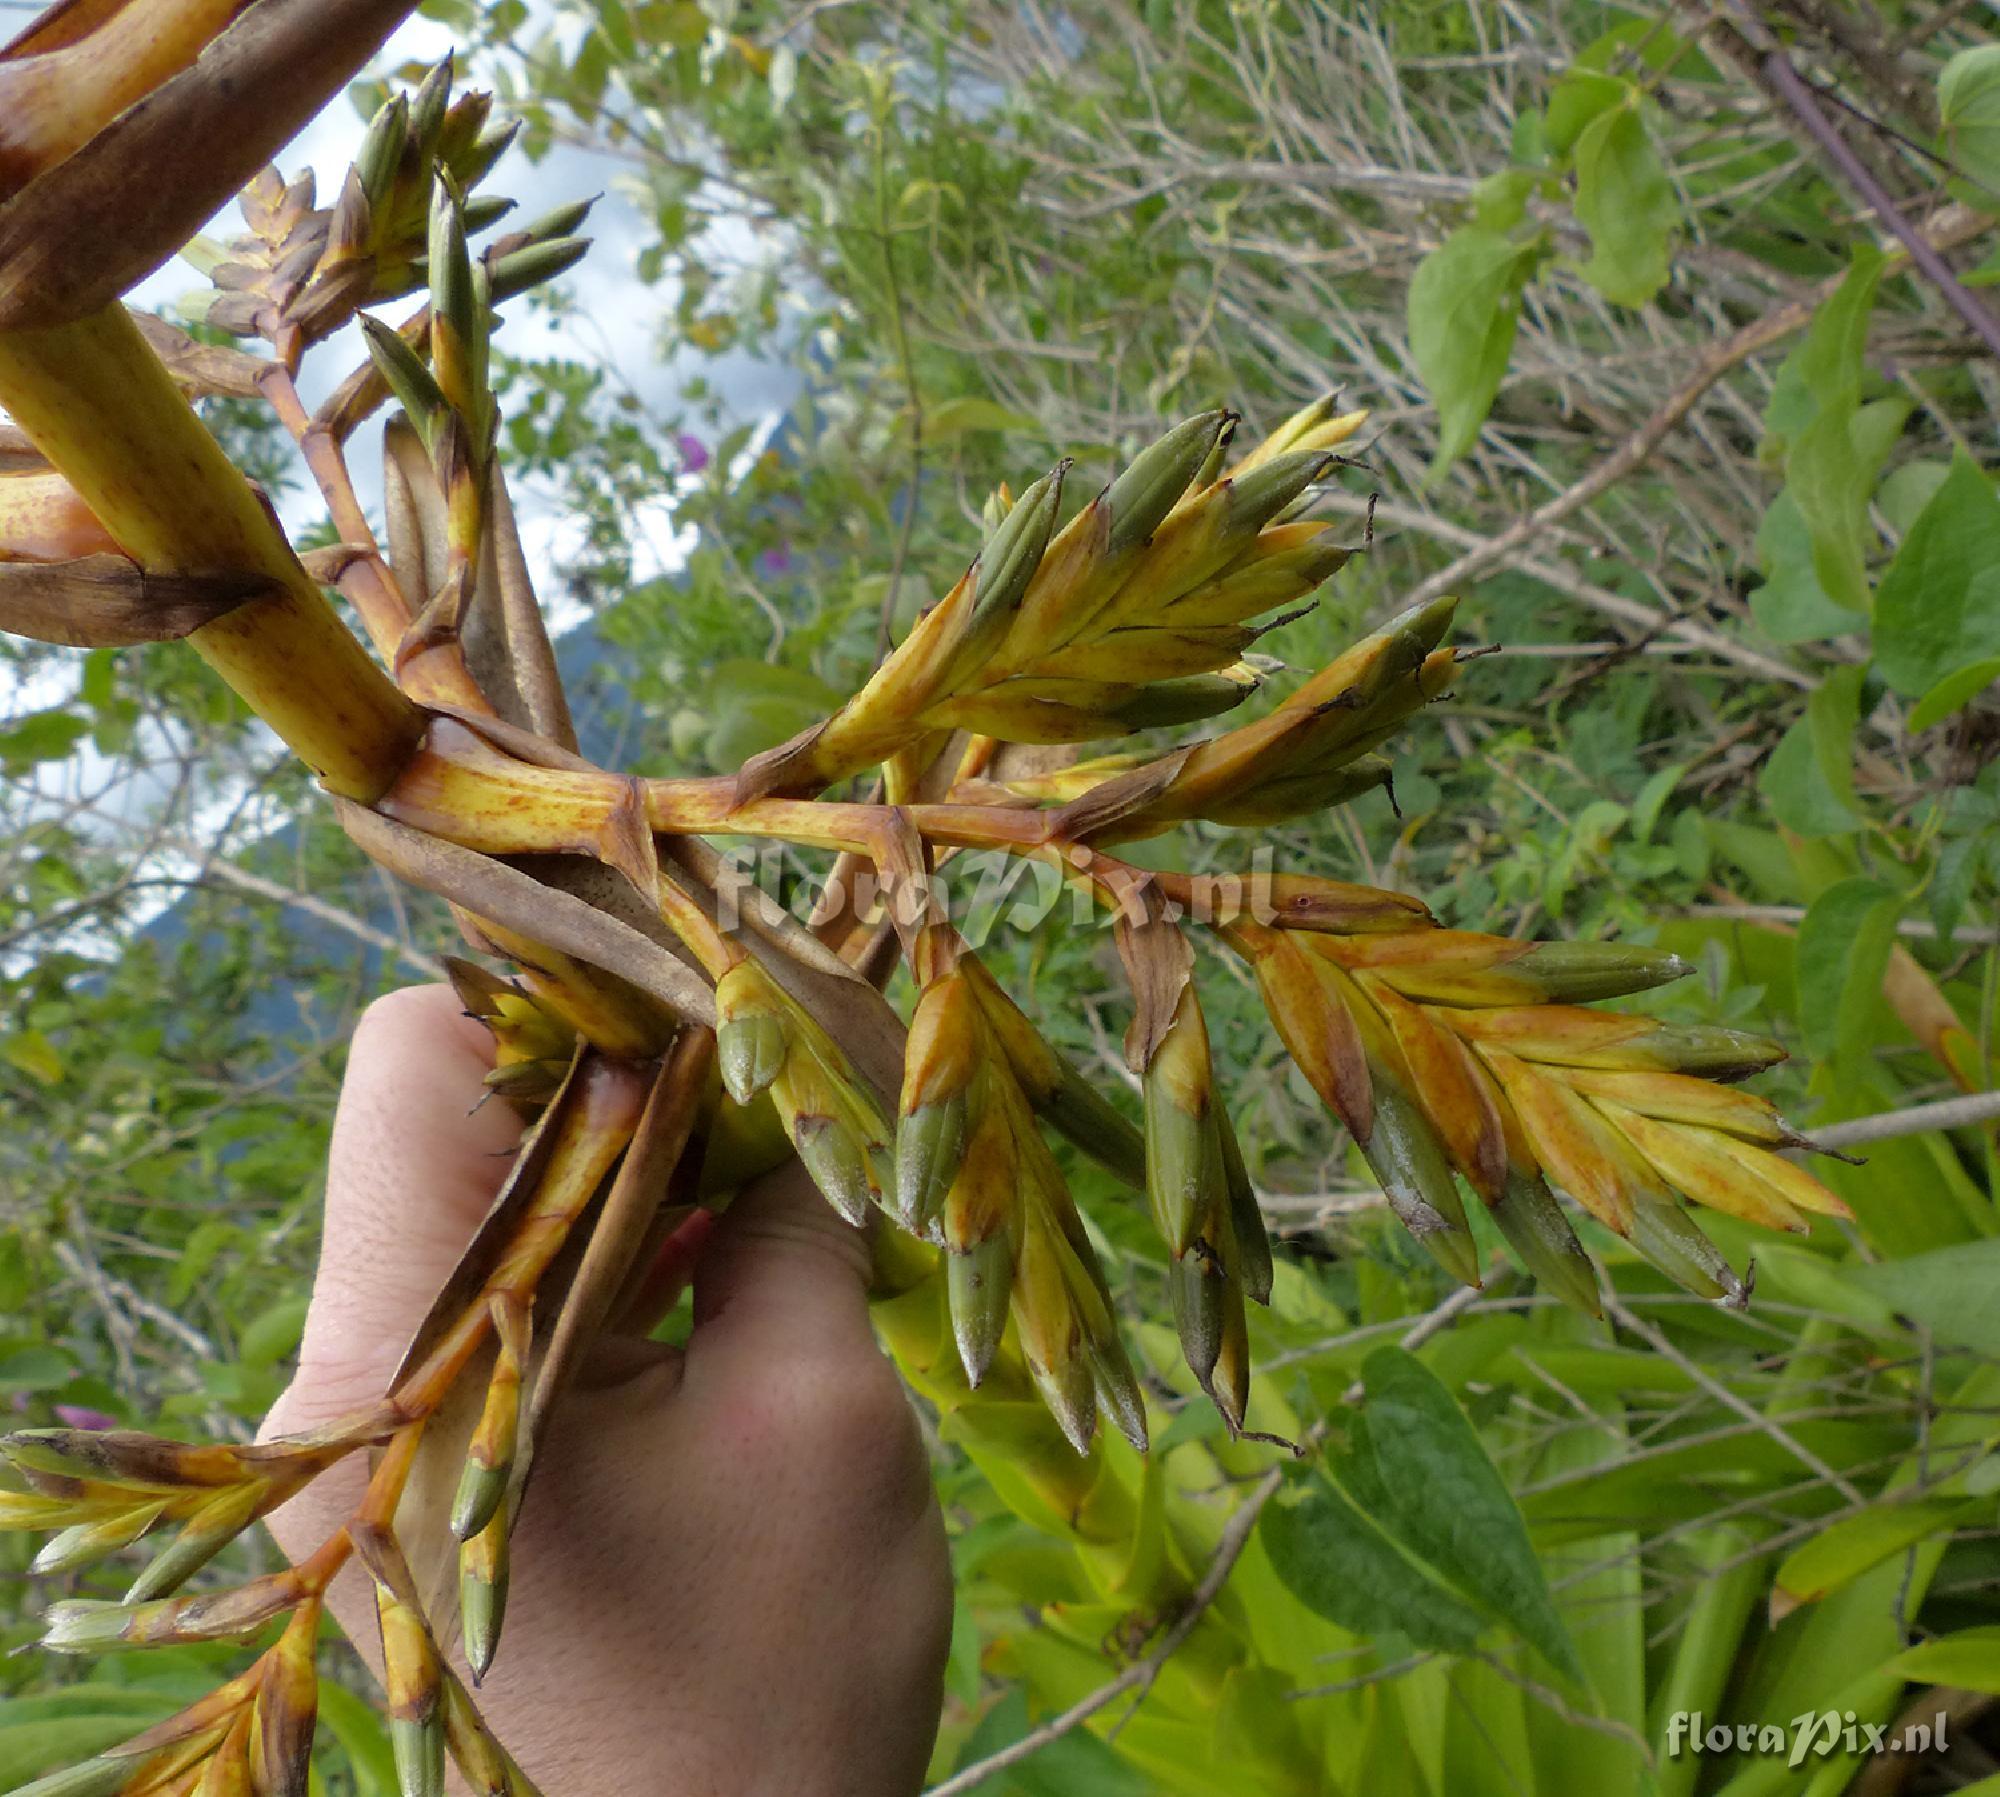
666 1049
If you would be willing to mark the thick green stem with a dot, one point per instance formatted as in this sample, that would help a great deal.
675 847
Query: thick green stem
97 402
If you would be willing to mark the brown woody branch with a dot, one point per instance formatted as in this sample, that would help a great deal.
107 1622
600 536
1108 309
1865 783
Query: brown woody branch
1774 69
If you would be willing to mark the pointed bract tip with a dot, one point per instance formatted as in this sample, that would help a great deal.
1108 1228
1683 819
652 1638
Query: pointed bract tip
750 1052
979 1283
834 1157
1150 487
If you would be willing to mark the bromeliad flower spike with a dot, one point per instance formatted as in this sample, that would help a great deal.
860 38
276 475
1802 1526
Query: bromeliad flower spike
664 1051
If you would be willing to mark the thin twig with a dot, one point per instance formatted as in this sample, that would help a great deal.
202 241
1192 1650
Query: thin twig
229 872
1951 226
1553 1700
189 1337
1921 928
1454 1305
1947 1113
1552 574
1776 69
1228 1548
1766 1425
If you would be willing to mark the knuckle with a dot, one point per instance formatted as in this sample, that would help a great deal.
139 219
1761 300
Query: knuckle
846 1414
396 1013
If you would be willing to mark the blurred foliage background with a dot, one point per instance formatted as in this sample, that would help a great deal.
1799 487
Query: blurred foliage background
1654 392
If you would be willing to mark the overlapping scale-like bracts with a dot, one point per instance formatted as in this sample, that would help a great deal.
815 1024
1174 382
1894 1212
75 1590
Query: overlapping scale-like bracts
1136 613
1451 1054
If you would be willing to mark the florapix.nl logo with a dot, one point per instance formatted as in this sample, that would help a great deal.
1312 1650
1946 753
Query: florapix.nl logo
990 893
1815 1734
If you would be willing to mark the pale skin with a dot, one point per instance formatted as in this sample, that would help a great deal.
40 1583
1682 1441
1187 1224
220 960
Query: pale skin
730 1574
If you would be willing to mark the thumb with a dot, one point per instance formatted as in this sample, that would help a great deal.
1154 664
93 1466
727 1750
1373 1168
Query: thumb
415 1161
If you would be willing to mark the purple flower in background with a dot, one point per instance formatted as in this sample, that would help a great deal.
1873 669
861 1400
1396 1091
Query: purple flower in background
694 452
776 561
77 1416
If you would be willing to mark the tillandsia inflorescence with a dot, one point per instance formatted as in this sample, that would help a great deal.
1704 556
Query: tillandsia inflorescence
667 1049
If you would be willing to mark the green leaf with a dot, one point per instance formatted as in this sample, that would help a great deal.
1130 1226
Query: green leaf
1809 780
1830 473
204 1242
1952 879
1500 202
1791 606
1452 1506
368 97
1843 1551
34 1054
1830 444
1653 796
961 1672
41 736
1939 606
1958 689
758 704
1691 846
101 1699
363 1738
1907 489
273 1336
30 1749
1842 953
15 1277
1580 98
1626 203
100 677
1829 356
1463 309
1337 1563
1256 1719
1969 112
967 413
34 1368
1949 1291
1968 1660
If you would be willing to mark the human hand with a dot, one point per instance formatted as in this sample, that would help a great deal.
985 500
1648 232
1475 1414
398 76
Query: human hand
730 1571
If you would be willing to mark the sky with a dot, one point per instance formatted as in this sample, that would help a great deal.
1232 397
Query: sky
618 328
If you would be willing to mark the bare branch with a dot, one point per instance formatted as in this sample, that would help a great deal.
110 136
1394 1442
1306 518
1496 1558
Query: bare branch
1765 1425
1947 1113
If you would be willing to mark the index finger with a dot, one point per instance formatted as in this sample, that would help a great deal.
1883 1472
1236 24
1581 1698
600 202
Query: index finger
418 1153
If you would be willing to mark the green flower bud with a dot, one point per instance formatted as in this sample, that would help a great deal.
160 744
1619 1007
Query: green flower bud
838 1163
751 1049
978 1283
930 1148
1411 1163
1152 485
1536 1229
1671 1240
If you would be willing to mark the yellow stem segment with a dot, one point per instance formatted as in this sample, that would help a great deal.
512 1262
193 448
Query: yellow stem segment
97 402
